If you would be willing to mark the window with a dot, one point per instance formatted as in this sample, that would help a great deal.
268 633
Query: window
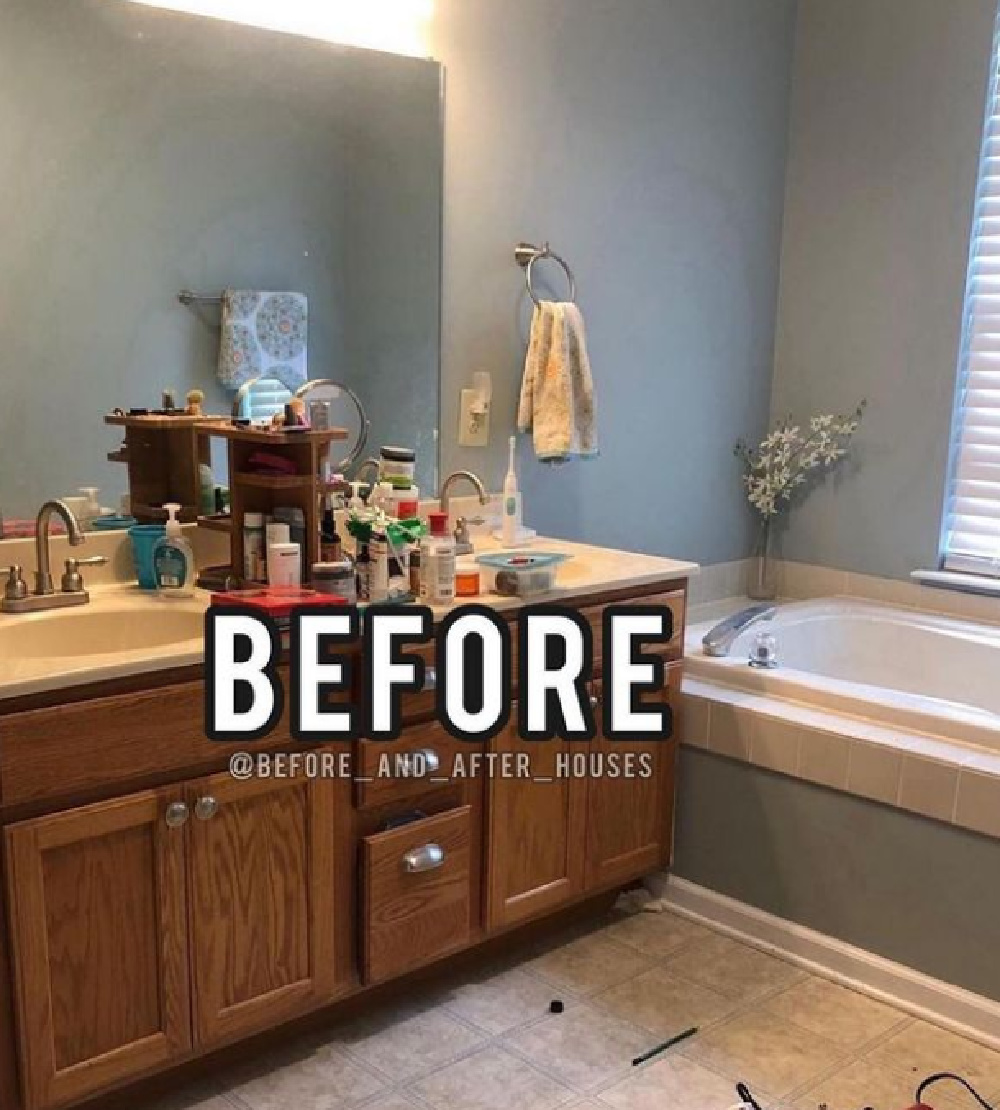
971 532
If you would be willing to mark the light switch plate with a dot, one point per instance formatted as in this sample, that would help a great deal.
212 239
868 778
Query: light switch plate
473 427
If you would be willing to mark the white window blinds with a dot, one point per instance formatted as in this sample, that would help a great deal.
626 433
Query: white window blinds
972 515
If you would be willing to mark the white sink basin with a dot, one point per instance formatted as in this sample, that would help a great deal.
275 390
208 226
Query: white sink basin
100 630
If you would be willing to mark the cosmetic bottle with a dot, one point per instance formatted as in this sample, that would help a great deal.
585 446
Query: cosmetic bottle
173 559
437 563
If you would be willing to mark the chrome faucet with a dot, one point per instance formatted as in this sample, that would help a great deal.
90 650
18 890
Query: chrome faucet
457 476
719 641
463 544
16 597
43 575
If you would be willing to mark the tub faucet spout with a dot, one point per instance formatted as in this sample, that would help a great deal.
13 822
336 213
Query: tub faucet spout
719 641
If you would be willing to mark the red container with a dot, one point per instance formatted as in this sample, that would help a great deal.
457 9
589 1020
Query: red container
276 601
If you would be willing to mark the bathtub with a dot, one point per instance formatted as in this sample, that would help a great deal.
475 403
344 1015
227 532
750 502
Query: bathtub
897 667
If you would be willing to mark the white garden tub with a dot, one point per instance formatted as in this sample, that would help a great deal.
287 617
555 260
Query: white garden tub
897 667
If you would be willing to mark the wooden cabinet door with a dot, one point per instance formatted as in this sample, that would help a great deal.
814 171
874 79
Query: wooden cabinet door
630 809
537 829
261 864
99 935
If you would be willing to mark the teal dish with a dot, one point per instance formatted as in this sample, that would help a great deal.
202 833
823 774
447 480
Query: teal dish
113 523
522 560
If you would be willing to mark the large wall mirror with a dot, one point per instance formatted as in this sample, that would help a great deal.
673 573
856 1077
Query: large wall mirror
148 152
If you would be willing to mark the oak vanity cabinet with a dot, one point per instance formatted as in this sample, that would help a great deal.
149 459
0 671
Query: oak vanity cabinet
260 863
537 831
557 835
554 837
163 922
99 933
630 815
150 925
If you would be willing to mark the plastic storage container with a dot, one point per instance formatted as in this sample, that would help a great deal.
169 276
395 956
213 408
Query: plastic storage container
522 574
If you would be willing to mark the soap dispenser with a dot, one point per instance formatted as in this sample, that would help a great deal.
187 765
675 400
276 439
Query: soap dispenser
173 559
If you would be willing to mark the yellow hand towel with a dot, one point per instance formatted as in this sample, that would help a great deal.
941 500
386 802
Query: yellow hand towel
557 391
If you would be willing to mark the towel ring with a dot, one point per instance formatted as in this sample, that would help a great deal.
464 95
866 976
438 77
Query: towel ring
527 254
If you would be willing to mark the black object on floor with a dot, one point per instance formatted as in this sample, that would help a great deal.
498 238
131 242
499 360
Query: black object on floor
664 1046
942 1075
556 1006
746 1098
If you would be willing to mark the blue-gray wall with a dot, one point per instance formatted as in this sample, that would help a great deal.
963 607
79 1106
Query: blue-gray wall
147 151
646 139
887 113
904 887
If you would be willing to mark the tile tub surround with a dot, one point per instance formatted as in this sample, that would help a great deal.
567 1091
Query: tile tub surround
925 775
801 581
898 750
486 1041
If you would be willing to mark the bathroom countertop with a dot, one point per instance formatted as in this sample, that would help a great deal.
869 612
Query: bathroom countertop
137 620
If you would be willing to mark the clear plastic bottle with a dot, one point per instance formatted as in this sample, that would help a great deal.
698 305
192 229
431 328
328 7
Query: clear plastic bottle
173 559
437 563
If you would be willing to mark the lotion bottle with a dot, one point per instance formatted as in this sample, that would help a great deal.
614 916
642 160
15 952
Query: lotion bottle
511 502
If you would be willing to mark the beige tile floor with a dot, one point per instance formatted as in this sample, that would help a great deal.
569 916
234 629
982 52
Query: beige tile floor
488 1041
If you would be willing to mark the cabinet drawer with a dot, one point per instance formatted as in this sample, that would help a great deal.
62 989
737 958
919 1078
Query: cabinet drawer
70 749
418 707
417 891
423 758
674 601
422 706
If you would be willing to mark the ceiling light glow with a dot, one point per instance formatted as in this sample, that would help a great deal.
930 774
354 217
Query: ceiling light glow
398 26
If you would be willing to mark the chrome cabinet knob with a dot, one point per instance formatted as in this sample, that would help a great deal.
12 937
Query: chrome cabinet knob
427 858
206 808
430 678
177 815
595 701
423 762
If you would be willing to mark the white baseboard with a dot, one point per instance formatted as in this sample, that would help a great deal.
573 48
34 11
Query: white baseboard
956 1009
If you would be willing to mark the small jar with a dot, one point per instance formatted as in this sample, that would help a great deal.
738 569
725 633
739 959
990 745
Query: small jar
336 579
284 564
467 578
398 466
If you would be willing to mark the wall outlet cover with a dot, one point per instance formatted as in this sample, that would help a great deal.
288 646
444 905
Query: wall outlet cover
473 422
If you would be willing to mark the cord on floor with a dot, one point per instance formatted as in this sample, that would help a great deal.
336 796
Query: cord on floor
947 1075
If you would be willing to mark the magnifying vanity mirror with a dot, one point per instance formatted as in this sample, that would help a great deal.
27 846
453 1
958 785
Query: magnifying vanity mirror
152 152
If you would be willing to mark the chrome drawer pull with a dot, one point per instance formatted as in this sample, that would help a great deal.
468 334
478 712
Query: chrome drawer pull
206 808
177 815
423 762
427 858
430 678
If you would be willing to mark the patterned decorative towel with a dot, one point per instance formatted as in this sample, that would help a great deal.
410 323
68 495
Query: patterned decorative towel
263 334
557 392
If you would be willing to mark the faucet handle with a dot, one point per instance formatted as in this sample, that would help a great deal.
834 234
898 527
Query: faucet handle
461 532
16 588
72 579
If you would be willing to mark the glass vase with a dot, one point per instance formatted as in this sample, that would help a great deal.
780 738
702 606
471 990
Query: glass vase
763 584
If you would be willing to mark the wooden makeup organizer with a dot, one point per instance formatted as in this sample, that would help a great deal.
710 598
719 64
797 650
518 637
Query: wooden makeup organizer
164 454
